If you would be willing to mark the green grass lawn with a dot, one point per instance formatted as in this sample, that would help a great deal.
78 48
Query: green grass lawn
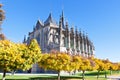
52 78
39 77
94 78
92 75
89 75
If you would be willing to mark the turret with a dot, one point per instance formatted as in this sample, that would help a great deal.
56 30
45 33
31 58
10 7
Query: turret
66 34
74 40
60 32
76 32
24 41
67 26
80 36
77 41
62 20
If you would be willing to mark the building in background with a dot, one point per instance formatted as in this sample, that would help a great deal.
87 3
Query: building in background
61 37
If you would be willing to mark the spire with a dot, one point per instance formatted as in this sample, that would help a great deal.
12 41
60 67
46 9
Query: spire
80 34
49 20
87 36
83 34
62 14
62 18
72 29
60 22
76 30
67 25
87 40
24 41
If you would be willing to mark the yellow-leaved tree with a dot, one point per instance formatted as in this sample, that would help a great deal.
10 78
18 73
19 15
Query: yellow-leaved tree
34 52
84 66
75 63
119 66
93 64
114 67
106 66
100 64
57 61
15 56
7 56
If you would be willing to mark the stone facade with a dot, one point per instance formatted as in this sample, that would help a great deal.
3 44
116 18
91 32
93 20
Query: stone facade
51 35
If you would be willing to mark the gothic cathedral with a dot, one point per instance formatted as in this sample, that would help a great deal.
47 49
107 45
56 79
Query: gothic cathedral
51 35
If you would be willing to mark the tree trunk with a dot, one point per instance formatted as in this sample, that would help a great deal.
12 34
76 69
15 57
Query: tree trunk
110 72
58 75
118 71
74 72
13 72
98 74
83 75
4 74
105 74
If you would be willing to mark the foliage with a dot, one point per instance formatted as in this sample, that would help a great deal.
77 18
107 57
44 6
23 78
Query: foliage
93 64
18 56
107 64
85 64
114 66
57 61
34 52
75 63
100 64
15 56
118 66
8 54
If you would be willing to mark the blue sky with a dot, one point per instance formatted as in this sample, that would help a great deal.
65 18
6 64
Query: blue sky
99 18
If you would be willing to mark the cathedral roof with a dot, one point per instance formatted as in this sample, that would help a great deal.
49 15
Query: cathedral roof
49 20
39 24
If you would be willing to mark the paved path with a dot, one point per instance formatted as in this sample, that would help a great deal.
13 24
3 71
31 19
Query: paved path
113 78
